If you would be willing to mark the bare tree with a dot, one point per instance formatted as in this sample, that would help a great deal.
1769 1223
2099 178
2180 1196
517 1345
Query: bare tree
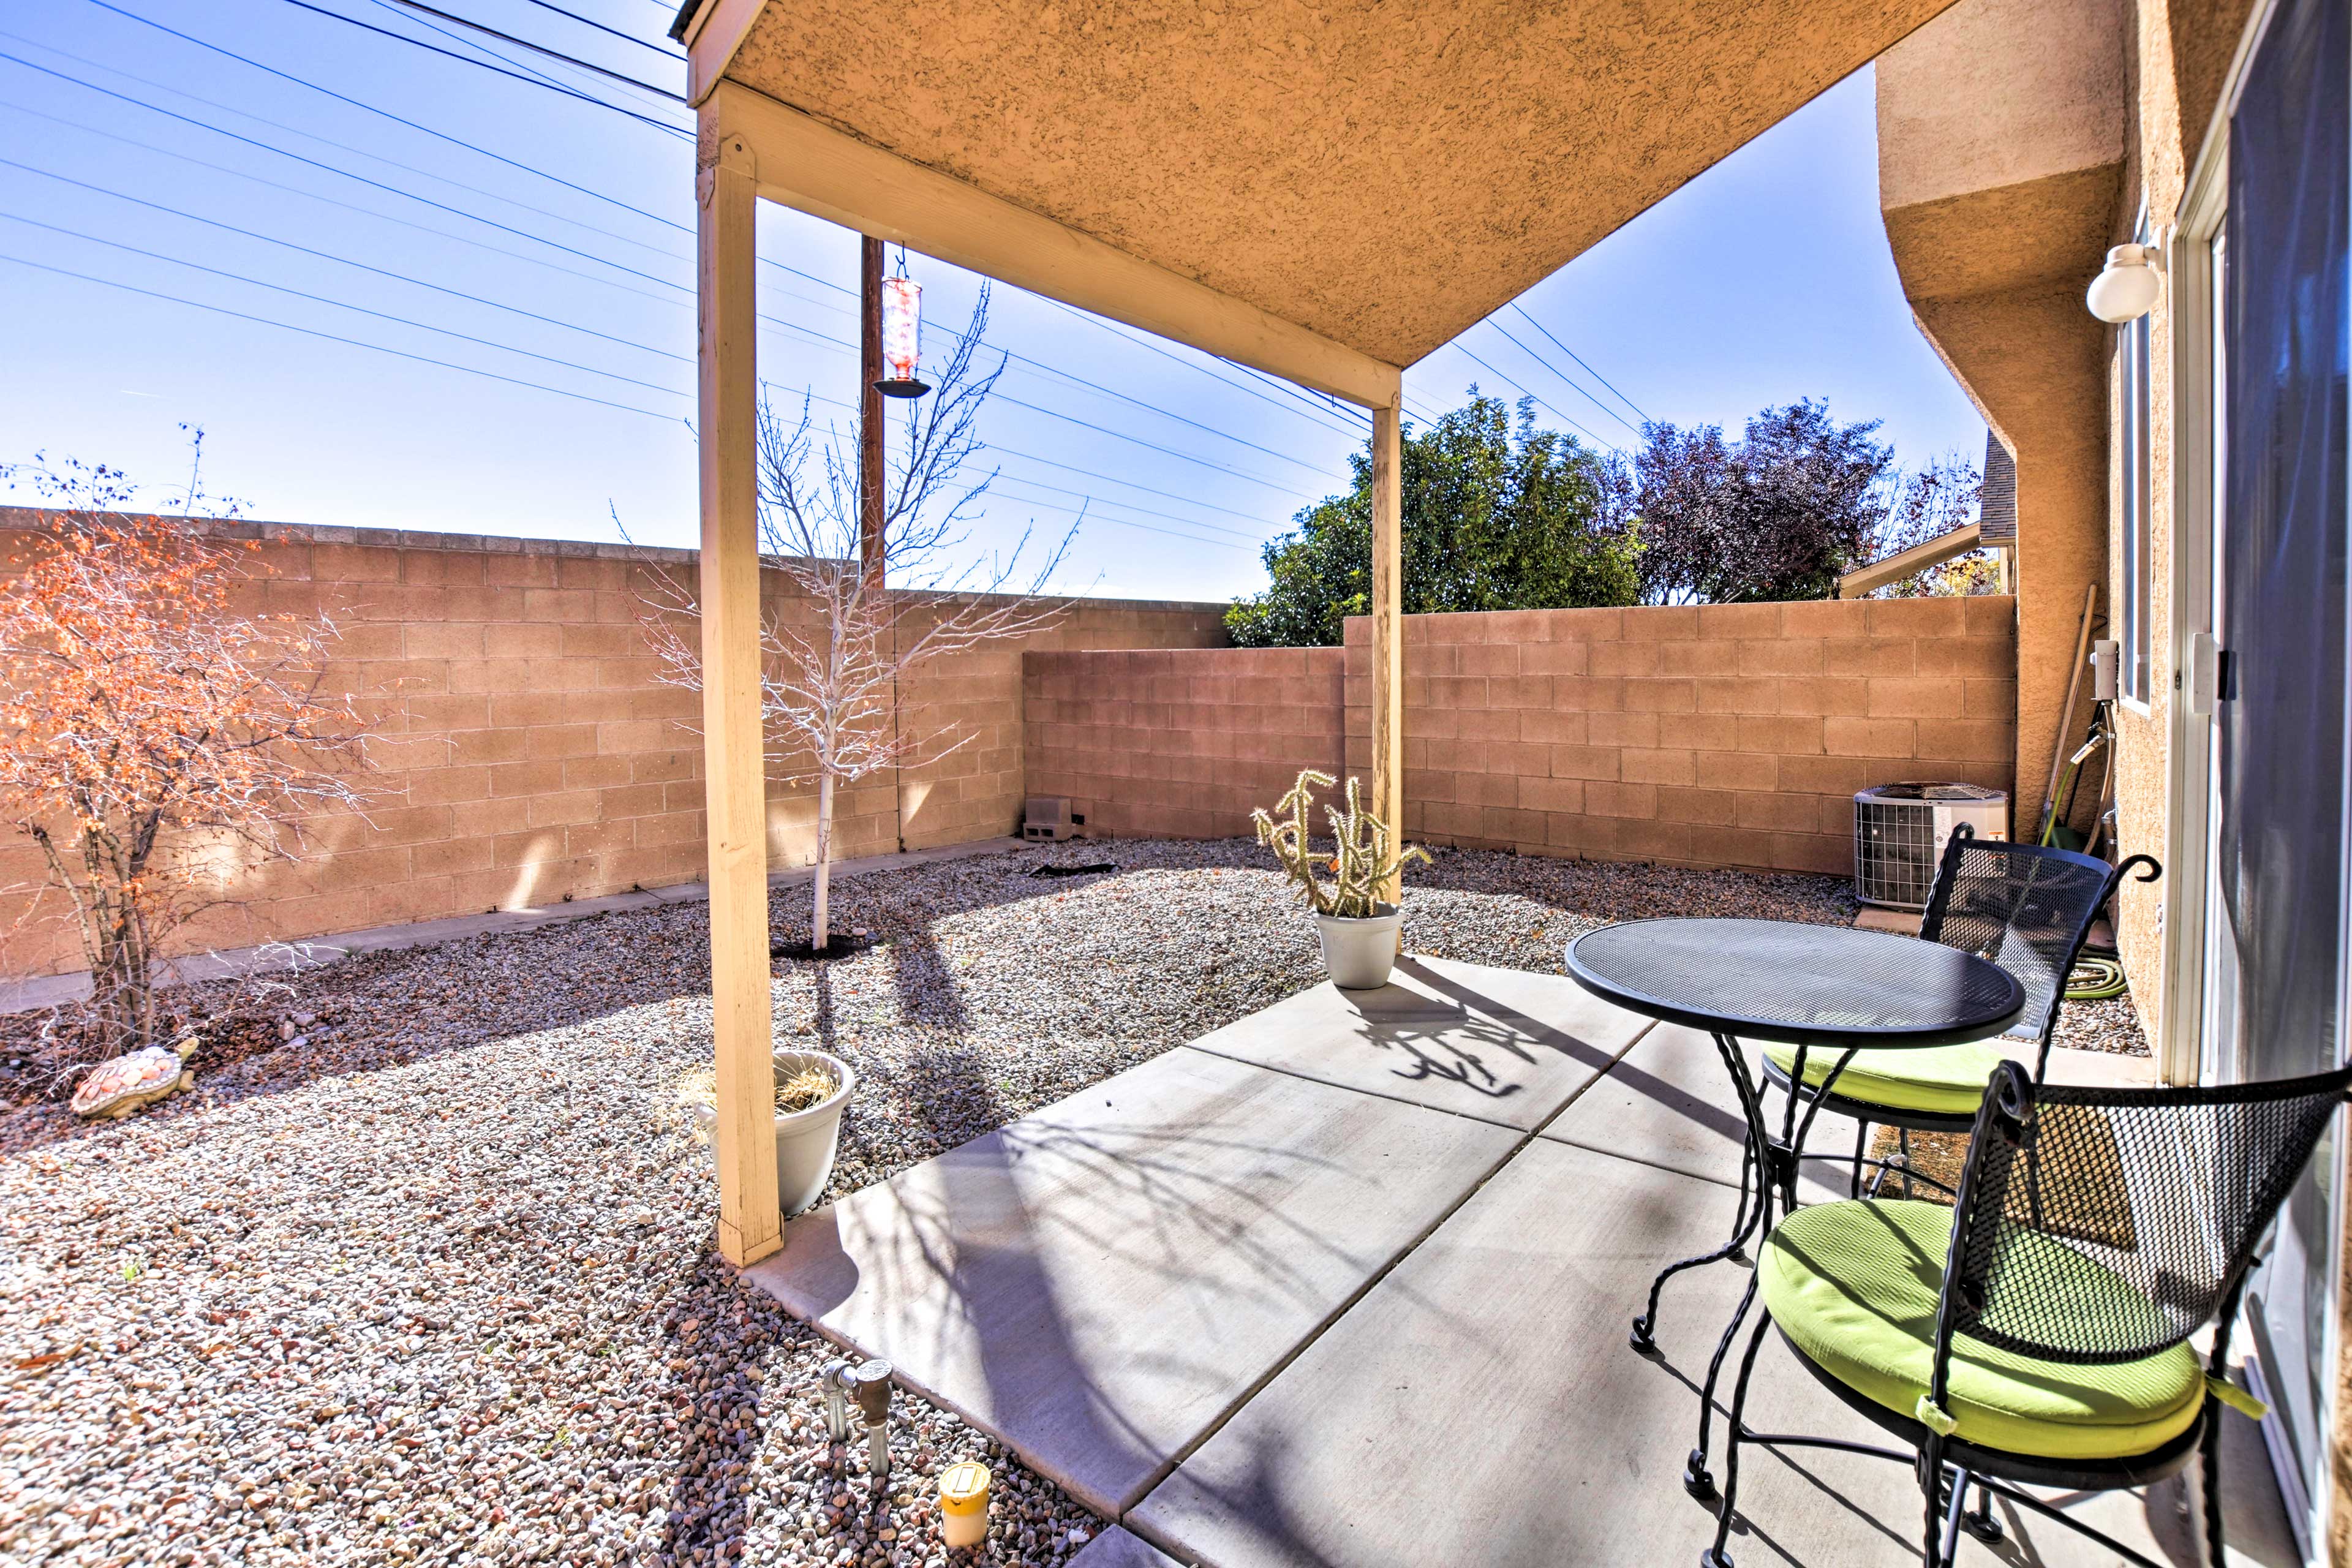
834 656
1928 504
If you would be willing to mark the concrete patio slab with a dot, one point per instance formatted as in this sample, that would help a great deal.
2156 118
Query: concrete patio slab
1101 1282
1668 1102
1479 1405
1115 1548
1506 1046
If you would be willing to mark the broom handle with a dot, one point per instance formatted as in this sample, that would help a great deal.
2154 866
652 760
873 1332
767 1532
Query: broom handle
2066 718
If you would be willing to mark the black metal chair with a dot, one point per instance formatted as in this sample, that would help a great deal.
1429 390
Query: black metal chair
2025 907
2035 1334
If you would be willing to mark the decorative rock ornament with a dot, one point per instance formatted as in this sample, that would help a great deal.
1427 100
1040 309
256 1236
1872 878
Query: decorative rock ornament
132 1082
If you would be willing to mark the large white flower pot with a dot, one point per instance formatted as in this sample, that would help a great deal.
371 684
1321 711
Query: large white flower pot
807 1140
1359 950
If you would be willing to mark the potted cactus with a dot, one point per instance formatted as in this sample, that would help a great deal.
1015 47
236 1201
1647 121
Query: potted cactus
1358 930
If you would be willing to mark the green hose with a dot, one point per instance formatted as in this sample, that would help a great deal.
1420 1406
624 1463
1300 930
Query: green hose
2095 980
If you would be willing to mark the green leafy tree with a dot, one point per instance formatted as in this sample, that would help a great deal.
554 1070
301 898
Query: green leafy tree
1498 515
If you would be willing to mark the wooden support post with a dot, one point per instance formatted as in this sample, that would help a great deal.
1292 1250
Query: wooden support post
1388 631
733 746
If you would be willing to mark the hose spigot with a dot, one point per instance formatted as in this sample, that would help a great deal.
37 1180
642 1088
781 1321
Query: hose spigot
869 1384
835 1381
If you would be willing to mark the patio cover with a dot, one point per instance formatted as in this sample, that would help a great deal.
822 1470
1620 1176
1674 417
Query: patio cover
1326 193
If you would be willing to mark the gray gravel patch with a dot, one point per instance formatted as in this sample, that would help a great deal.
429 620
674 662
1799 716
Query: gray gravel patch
433 1281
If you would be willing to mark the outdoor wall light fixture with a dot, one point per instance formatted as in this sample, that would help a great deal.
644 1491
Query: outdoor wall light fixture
2126 287
902 335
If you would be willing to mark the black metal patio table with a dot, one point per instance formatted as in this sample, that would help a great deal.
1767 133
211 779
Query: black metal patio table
1811 986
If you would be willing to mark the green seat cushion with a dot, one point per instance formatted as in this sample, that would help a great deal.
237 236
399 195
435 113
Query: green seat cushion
1854 1286
1949 1078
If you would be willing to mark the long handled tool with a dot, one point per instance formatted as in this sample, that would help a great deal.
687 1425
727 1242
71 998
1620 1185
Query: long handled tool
2066 718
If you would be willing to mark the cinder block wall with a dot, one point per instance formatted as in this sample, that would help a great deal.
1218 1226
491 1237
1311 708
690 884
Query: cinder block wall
1180 743
529 754
1710 735
1722 735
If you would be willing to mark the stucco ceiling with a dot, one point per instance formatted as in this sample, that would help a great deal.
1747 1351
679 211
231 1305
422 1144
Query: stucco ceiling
1382 174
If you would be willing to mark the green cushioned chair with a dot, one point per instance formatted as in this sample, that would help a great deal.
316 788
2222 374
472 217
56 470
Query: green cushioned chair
2026 908
2035 1334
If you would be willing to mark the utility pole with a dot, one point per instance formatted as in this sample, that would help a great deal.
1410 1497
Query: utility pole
869 410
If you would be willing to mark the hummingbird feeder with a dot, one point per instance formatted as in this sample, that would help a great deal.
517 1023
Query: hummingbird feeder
902 335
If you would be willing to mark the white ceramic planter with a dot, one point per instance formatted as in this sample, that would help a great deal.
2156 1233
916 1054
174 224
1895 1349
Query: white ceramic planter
807 1140
1359 950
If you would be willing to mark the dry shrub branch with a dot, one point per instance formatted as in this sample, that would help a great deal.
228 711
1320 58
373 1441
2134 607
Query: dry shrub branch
155 742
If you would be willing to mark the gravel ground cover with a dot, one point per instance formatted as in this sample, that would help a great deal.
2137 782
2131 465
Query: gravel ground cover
432 1281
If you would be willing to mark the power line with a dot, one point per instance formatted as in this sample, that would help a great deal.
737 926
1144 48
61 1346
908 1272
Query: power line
332 169
346 206
1184 456
583 254
839 344
344 305
498 70
494 304
388 114
1523 392
394 7
339 146
1085 513
347 261
1143 341
683 228
624 36
471 370
1579 359
1039 365
473 46
489 31
330 337
1513 339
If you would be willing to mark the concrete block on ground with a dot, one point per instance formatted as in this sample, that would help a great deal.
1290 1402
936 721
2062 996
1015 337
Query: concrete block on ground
1902 922
1506 1046
1099 1283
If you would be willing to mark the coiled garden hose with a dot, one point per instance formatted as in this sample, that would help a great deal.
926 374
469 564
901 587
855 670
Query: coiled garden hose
2095 980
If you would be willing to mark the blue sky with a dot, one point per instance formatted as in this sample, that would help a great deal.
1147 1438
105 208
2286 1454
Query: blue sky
556 253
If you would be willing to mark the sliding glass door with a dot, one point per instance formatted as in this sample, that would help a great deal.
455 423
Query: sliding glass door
2274 972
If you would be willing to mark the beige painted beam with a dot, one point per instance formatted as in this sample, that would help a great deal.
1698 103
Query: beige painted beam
1903 563
716 31
1388 631
807 164
733 749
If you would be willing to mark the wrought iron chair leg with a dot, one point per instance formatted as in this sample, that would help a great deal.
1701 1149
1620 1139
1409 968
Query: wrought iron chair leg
1861 1151
1980 1521
1929 1467
1715 1556
1948 1540
1903 1142
1696 1479
2210 1452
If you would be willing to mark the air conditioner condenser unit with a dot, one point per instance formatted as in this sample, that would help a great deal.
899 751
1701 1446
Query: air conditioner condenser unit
1900 829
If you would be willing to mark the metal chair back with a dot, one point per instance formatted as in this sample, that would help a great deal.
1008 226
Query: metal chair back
2028 907
2098 1225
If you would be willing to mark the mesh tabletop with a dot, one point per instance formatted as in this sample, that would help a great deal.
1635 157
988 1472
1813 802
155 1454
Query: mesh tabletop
1801 984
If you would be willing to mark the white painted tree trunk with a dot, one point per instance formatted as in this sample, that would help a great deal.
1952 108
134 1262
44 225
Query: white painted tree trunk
820 927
